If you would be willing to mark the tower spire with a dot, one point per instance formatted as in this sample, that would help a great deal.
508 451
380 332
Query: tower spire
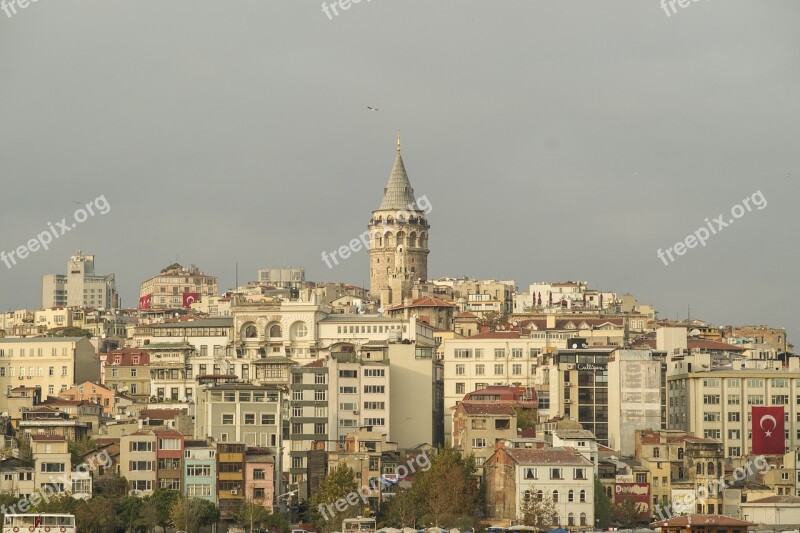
398 141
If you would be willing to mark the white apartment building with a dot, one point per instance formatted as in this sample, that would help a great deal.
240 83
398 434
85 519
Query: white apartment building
636 386
80 287
493 358
286 278
54 317
715 401
52 363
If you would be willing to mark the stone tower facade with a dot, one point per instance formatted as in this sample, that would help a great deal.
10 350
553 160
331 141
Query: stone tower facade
398 254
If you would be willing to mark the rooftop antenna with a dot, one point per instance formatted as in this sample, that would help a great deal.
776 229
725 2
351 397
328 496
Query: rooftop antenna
236 286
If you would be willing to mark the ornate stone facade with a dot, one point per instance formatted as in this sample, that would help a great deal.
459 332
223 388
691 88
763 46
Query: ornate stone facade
398 253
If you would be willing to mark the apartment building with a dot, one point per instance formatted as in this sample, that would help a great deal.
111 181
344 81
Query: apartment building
200 470
283 278
127 371
230 478
176 286
169 459
516 475
240 412
678 465
494 358
139 462
479 426
53 466
713 398
373 458
16 477
580 377
53 364
91 392
80 286
637 389
259 477
171 377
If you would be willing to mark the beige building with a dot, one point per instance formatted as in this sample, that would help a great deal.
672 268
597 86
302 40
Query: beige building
479 426
80 286
714 400
398 236
169 289
138 461
127 372
53 364
679 464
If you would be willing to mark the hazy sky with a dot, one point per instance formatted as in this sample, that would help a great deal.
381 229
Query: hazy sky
556 140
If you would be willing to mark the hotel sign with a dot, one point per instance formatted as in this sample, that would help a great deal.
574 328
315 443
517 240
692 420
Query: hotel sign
594 367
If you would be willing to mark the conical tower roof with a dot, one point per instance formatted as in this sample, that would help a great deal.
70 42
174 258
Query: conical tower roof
398 193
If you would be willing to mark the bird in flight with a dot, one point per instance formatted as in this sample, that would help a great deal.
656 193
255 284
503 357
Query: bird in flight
373 108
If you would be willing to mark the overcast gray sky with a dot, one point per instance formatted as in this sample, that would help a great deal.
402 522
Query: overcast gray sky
556 140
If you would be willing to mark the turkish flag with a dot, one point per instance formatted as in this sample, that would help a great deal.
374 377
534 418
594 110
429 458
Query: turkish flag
189 298
768 436
144 301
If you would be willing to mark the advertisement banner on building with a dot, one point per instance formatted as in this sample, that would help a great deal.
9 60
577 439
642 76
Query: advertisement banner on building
144 301
683 501
638 492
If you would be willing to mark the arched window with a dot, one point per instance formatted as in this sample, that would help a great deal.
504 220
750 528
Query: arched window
250 332
710 468
583 519
556 519
401 238
387 239
582 496
275 331
555 496
699 468
378 240
570 519
680 453
571 496
608 491
539 495
412 239
527 496
423 240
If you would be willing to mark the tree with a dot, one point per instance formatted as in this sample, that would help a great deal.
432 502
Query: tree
77 448
251 513
526 418
71 332
448 489
401 509
538 513
628 514
96 515
337 484
57 503
111 486
190 514
160 504
602 504
277 522
128 510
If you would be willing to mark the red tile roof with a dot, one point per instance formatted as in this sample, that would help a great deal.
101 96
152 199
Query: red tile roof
126 358
160 414
560 456
319 363
703 520
425 302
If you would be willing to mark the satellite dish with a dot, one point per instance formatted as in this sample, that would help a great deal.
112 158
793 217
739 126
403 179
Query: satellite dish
695 332
380 310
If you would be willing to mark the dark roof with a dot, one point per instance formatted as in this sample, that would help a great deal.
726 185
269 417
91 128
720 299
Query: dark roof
559 456
160 414
778 499
487 408
51 438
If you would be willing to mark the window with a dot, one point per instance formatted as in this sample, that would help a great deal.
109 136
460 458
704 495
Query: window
479 443
480 370
320 395
555 496
499 353
259 473
711 417
267 420
227 419
146 466
516 370
570 496
755 399
734 399
530 473
249 419
374 372
582 496
711 399
734 434
498 370
734 416
198 470
374 389
52 467
780 399
580 473
460 370
198 490
169 444
712 433
555 473
656 452
141 446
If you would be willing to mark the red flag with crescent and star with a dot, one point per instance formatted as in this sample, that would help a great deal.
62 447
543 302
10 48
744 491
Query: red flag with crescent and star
768 436
189 298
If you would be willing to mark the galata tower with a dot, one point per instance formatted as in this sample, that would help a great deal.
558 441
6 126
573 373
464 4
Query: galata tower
398 254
